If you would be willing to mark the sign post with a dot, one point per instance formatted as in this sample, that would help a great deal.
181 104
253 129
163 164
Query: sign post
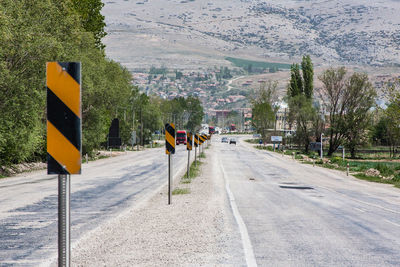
276 139
189 147
64 154
170 149
196 144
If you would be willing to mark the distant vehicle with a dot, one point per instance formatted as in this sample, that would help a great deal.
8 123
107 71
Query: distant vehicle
232 141
232 127
256 135
224 140
211 130
181 137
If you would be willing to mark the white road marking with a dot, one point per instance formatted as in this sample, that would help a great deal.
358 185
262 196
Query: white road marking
246 242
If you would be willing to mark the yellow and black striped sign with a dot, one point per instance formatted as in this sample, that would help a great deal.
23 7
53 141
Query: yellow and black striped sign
170 138
196 140
201 138
189 142
64 117
209 137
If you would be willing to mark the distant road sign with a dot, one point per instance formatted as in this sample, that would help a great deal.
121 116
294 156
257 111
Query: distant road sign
276 138
170 138
202 139
64 124
189 141
196 140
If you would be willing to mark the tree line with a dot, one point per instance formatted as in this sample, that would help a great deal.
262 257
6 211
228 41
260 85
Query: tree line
343 110
33 32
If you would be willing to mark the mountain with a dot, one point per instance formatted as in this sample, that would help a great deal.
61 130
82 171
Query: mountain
193 34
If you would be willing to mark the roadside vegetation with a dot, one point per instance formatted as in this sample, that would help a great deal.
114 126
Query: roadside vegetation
382 170
29 37
194 171
343 114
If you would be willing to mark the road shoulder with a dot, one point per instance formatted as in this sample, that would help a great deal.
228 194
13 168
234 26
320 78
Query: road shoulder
197 229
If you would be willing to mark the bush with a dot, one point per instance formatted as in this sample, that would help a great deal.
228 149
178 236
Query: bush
337 160
384 169
297 156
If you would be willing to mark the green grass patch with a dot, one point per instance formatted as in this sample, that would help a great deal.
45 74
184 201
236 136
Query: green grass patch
244 63
181 191
375 179
194 171
202 155
253 141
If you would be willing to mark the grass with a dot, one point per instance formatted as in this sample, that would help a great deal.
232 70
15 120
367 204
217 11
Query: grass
181 191
202 155
253 141
359 167
244 63
194 171
155 145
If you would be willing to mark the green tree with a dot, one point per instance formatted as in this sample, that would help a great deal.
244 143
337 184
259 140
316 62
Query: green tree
333 88
91 18
308 76
360 97
392 116
195 113
264 107
302 113
348 100
296 84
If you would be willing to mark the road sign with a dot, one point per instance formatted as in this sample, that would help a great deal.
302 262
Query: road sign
196 140
201 138
189 142
63 117
170 138
64 155
276 138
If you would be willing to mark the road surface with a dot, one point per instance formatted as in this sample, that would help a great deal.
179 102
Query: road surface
300 215
28 211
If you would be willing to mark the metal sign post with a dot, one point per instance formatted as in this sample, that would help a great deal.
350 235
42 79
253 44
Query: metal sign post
196 144
64 220
64 155
169 149
189 145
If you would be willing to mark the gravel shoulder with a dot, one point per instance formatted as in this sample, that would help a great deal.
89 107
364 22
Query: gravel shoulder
197 229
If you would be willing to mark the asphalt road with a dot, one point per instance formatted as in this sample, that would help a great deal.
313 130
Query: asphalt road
300 215
28 211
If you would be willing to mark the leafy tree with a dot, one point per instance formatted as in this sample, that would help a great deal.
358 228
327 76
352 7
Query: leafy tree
392 116
332 96
308 76
303 113
195 113
264 107
360 97
91 18
348 100
28 39
301 110
296 84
